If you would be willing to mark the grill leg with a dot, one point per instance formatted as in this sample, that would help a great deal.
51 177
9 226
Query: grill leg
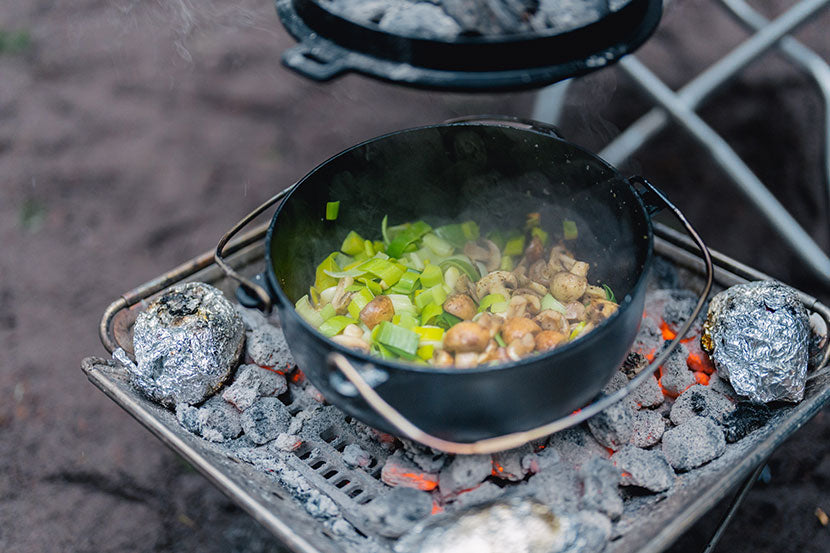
733 507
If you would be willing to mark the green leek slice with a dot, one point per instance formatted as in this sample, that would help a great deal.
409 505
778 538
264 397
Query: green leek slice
312 317
463 264
549 302
397 339
570 230
332 210
352 244
431 276
409 235
438 245
335 325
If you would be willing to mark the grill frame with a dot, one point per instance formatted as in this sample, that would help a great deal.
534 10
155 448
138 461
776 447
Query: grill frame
283 515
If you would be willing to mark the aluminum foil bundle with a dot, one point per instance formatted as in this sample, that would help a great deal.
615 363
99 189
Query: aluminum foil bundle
518 525
186 344
758 336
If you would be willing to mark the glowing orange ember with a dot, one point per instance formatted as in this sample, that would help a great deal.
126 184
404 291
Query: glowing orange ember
668 333
700 362
399 476
297 377
436 508
702 378
497 469
626 474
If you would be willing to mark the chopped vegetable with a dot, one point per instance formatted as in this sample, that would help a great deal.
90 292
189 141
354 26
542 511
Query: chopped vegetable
335 325
570 230
431 276
609 294
515 246
332 210
352 244
489 300
397 339
312 317
549 302
577 330
429 312
499 340
463 264
438 245
323 280
406 237
359 301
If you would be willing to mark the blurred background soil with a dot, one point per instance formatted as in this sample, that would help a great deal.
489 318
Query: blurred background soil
133 134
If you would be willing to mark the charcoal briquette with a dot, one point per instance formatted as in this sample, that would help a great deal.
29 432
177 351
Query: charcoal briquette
576 445
648 394
251 383
647 428
613 426
464 472
747 417
395 512
676 374
507 465
600 488
218 421
265 420
695 442
267 347
643 468
700 401
356 456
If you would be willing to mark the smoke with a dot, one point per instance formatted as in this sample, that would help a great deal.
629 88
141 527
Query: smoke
183 21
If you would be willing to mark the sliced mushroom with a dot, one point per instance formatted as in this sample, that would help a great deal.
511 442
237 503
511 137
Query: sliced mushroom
534 250
466 337
516 307
516 327
493 354
353 330
580 268
491 323
466 360
496 282
599 310
460 305
520 347
567 287
485 251
552 320
549 339
341 298
595 292
378 310
575 311
351 342
534 303
541 272
441 358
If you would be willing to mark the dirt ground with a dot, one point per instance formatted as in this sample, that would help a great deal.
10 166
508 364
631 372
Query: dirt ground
133 134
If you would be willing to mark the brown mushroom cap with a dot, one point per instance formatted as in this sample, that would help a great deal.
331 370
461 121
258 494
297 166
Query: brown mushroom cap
377 310
549 339
466 337
599 310
516 327
460 305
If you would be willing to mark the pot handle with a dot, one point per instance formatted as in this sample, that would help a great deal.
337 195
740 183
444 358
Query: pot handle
262 298
510 120
509 441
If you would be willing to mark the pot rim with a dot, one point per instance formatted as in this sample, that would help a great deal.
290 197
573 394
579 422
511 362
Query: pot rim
285 305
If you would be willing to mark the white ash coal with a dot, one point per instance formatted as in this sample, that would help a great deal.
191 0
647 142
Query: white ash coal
369 488
449 19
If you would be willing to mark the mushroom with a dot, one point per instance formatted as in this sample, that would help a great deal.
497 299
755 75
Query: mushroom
441 358
496 282
460 305
491 323
575 311
341 298
599 310
595 292
489 254
568 287
466 337
353 330
516 327
541 272
351 342
549 339
552 320
466 360
520 346
516 307
493 354
580 268
534 250
534 304
377 310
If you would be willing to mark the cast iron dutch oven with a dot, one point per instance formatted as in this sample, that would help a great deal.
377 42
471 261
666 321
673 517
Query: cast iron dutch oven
494 171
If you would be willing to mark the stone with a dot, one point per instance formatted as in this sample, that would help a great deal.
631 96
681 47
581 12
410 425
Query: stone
700 401
694 443
643 468
265 420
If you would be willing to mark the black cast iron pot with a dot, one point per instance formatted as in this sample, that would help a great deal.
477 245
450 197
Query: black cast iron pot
495 172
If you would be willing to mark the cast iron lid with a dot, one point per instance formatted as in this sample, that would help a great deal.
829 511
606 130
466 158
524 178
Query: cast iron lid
330 45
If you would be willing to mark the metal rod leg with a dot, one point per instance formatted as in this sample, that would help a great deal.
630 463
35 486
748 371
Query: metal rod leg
810 62
810 253
733 507
549 102
699 88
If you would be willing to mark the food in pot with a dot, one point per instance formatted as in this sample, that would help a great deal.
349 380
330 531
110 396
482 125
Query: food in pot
452 296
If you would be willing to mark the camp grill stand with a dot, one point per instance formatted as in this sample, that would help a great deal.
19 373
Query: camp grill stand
681 106
269 504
